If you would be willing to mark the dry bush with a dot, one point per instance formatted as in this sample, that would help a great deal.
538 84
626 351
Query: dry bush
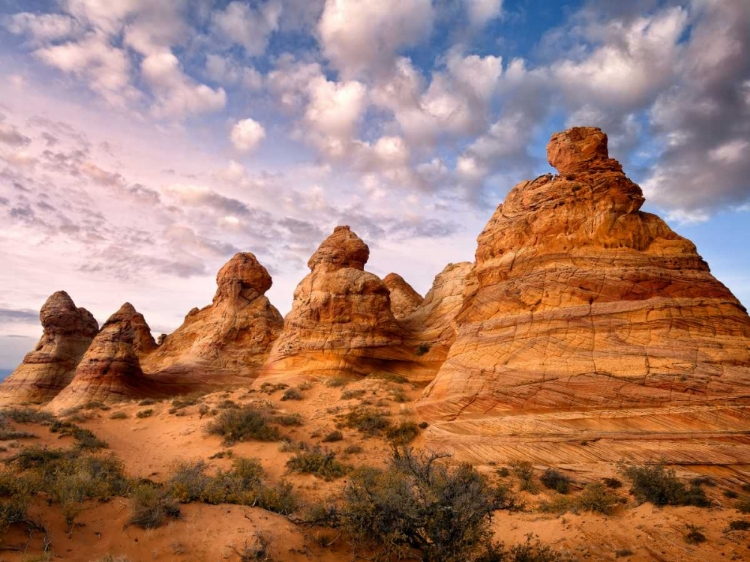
317 461
660 486
245 424
291 394
333 436
152 506
555 480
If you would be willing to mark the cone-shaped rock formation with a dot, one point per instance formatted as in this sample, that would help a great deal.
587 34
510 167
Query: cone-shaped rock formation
228 340
45 371
143 341
110 370
341 320
590 319
404 299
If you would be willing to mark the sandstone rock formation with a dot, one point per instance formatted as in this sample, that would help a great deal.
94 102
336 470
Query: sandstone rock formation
404 299
143 342
583 303
228 340
49 368
341 320
110 370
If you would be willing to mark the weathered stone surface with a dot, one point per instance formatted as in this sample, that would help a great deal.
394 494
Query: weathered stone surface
143 342
583 302
227 341
404 299
45 371
110 370
341 320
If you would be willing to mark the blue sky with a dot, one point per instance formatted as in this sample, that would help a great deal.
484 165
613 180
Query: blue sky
143 143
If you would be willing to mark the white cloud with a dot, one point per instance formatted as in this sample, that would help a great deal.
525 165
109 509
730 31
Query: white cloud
483 11
247 135
363 36
250 27
106 68
226 71
177 95
43 27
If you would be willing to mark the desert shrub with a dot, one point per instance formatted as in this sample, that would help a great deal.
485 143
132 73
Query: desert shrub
612 483
317 461
202 410
745 486
333 437
555 480
703 481
397 395
403 433
503 472
288 420
85 438
257 551
270 388
353 449
145 413
743 504
322 514
420 503
353 394
422 349
731 494
532 550
694 534
147 402
291 394
367 421
423 425
243 424
596 497
118 415
524 471
151 506
336 382
623 552
660 486
27 415
739 525
243 484
10 434
15 497
558 505
227 405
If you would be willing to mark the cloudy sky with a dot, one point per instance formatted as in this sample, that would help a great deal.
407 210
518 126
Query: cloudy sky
143 143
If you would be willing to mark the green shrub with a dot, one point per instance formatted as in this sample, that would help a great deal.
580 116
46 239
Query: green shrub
291 394
10 435
555 480
612 483
243 425
84 437
27 415
398 396
333 437
353 394
739 525
288 420
422 349
145 413
151 506
743 504
694 534
660 486
503 472
15 497
319 462
227 405
524 471
367 421
596 497
419 503
403 433
118 415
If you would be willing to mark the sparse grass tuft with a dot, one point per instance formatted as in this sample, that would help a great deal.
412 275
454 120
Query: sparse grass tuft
118 415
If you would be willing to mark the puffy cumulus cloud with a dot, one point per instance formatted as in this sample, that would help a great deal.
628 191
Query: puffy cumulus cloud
364 36
632 60
177 95
43 27
703 121
248 25
107 15
289 81
106 68
482 11
225 70
247 135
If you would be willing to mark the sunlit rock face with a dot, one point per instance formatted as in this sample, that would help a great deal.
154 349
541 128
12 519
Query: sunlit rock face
45 371
227 341
110 369
579 302
341 321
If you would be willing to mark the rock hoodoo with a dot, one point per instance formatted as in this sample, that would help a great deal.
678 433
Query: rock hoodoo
110 370
143 341
228 340
404 299
585 303
45 371
341 320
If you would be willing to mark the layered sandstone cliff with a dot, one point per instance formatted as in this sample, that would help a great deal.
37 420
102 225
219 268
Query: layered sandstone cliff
45 371
404 299
341 320
228 340
110 370
583 303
